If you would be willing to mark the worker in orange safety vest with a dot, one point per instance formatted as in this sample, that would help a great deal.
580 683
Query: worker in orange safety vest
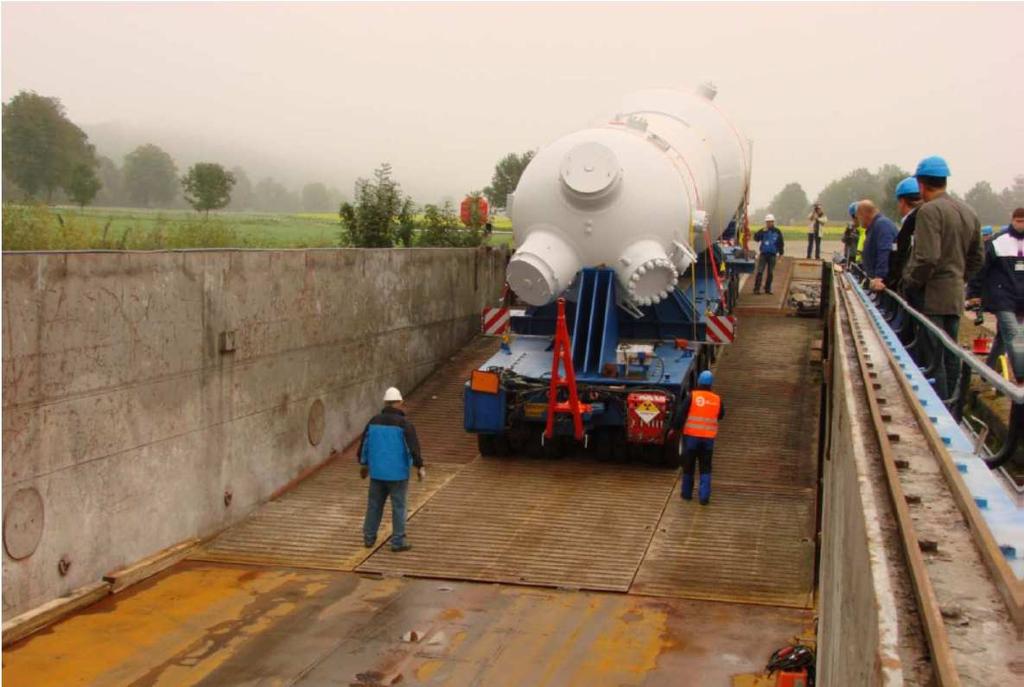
703 410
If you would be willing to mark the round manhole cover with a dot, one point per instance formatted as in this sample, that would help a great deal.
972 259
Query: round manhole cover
23 523
315 426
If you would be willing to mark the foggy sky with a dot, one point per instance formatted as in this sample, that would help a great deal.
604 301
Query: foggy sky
325 92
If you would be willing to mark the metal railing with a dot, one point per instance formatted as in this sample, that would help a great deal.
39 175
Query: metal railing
911 327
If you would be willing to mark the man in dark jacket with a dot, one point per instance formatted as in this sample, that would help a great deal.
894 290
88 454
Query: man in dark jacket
908 199
387 449
999 288
772 246
947 251
881 237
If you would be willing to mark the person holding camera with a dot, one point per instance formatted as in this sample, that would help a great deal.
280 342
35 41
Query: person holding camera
816 221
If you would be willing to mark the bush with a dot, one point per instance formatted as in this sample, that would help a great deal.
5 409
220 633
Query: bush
441 227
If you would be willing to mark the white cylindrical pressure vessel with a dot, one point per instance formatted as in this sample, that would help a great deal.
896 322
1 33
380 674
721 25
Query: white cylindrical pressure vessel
666 171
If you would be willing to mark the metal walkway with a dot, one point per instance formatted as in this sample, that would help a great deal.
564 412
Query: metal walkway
570 524
318 524
755 542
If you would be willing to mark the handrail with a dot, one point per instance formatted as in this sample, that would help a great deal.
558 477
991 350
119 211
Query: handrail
968 363
1014 392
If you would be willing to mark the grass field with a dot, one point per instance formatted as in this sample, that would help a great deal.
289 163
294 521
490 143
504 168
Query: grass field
66 228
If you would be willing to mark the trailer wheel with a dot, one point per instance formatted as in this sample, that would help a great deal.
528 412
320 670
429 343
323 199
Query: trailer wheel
492 444
672 451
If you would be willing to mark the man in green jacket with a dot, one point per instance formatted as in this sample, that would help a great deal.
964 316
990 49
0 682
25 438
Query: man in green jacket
947 250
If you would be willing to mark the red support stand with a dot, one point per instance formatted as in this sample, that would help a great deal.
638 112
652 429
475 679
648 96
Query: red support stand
562 353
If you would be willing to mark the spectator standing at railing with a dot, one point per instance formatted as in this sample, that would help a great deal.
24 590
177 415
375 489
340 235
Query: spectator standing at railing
999 288
946 251
879 244
908 199
851 236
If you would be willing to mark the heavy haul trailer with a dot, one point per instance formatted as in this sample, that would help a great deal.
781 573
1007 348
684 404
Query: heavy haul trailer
616 229
631 373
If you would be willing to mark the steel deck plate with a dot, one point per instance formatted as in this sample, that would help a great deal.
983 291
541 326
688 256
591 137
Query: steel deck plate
750 545
570 523
755 542
763 303
317 525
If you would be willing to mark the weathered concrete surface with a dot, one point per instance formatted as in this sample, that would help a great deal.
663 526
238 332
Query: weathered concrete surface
215 624
120 408
858 633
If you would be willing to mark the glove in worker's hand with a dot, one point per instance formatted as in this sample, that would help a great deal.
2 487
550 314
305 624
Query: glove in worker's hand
364 472
421 474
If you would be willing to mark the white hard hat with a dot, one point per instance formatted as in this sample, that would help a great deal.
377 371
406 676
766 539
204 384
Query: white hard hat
392 394
769 218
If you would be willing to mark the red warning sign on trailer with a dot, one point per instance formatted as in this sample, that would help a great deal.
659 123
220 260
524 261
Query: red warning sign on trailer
494 321
645 419
721 329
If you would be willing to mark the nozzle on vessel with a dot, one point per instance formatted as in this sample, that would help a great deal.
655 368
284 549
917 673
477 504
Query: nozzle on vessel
542 268
646 272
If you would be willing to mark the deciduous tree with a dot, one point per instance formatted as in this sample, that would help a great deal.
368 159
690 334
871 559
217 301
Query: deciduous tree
315 198
83 185
506 177
42 148
150 176
988 206
207 186
790 205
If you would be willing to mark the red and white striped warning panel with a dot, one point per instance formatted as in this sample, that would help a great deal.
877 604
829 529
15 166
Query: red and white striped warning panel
721 329
494 321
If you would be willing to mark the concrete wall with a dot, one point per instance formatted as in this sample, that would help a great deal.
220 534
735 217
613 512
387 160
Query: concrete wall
857 617
122 411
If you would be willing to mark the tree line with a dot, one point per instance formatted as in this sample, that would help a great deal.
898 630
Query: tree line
47 157
792 206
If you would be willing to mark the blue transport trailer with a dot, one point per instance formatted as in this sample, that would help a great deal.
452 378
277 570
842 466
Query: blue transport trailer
633 365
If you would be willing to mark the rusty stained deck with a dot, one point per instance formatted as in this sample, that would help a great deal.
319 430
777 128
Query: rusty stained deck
216 624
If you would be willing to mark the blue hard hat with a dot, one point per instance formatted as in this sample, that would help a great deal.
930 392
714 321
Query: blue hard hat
986 230
705 378
907 187
933 166
852 209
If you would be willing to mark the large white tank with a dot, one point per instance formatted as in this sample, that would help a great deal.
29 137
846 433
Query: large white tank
641 194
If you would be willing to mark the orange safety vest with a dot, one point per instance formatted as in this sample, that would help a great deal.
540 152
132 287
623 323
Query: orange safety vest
703 418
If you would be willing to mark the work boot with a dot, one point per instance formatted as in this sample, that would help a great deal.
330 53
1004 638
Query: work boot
369 544
705 488
401 547
687 490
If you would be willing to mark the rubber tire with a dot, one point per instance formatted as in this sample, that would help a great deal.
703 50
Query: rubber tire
672 451
487 444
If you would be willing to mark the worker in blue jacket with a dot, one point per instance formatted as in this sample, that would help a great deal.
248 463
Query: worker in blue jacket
773 244
999 288
878 244
387 448
703 409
